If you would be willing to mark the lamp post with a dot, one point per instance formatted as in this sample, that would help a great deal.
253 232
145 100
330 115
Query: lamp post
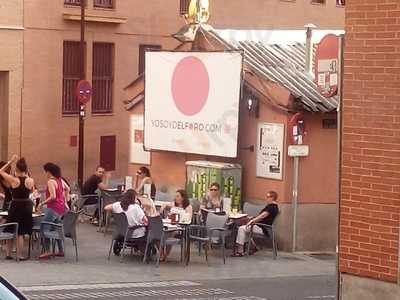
82 105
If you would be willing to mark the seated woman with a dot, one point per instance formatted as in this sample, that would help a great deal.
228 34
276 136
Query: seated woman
213 198
179 206
266 216
134 214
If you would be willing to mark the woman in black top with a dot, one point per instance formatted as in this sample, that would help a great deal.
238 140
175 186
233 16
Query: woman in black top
5 186
20 210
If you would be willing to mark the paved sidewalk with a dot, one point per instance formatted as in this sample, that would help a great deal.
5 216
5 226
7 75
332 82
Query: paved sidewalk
93 266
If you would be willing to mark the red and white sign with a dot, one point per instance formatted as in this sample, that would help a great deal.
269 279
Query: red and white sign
327 65
83 91
192 102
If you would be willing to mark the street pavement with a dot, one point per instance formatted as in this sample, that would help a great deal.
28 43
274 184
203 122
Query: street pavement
291 276
289 288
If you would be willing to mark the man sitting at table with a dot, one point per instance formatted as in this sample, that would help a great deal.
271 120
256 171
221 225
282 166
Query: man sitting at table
266 216
98 181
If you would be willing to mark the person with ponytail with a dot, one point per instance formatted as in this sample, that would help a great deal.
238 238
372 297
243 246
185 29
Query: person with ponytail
21 206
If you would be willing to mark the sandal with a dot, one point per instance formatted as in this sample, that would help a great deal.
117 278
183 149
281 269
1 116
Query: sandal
9 258
23 258
45 256
237 254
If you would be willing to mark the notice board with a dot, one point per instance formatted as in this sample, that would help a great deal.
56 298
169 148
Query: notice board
270 150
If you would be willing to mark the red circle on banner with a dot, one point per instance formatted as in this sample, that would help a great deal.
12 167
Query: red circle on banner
190 85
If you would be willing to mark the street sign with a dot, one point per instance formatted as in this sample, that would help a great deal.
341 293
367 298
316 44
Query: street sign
83 91
327 65
298 150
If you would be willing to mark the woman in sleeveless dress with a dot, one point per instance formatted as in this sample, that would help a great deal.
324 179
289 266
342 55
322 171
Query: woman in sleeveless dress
57 197
21 206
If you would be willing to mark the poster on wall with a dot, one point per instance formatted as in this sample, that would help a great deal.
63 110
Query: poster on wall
270 150
137 153
192 102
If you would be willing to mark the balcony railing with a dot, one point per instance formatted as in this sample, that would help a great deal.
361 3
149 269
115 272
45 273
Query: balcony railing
104 3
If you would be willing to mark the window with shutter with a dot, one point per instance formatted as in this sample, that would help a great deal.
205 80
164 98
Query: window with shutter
72 64
103 77
142 51
184 7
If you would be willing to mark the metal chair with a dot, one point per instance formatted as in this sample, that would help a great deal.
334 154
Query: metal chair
270 229
69 223
124 232
157 238
9 236
60 231
195 203
35 233
212 234
107 197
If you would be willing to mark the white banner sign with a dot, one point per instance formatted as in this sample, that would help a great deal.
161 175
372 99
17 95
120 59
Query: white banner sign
192 102
137 153
270 150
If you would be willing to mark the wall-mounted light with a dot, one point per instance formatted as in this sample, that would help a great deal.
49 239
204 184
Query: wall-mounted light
253 105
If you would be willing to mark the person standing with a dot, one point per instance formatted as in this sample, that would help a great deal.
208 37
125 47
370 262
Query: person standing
98 181
266 216
21 206
57 197
7 196
144 180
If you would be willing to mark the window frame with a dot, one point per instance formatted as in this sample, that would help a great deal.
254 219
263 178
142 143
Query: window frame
109 108
142 55
73 80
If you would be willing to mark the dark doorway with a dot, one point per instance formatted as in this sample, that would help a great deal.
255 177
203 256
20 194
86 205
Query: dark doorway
108 152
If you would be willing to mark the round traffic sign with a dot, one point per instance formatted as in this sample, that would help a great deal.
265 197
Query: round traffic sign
83 91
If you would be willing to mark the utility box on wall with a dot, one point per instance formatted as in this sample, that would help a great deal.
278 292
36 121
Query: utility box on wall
201 174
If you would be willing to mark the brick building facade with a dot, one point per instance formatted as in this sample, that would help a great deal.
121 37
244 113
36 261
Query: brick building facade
42 128
370 185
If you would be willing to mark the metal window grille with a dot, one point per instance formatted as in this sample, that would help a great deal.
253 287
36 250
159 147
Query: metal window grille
184 7
72 2
103 78
104 3
142 51
72 62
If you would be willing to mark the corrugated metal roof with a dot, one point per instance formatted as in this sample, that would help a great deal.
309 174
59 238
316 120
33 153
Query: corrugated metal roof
283 64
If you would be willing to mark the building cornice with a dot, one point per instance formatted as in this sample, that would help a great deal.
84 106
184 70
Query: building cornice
4 27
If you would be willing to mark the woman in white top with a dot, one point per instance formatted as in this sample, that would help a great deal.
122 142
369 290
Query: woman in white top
179 206
134 214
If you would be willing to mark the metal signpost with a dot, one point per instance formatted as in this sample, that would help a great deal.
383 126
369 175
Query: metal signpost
83 96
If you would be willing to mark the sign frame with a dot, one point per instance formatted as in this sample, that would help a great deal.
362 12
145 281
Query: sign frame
272 152
237 111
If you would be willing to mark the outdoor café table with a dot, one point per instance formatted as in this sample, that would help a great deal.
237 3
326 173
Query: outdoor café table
185 236
34 215
236 220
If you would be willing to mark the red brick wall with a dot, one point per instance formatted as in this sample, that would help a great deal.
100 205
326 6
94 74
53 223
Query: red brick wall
370 199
